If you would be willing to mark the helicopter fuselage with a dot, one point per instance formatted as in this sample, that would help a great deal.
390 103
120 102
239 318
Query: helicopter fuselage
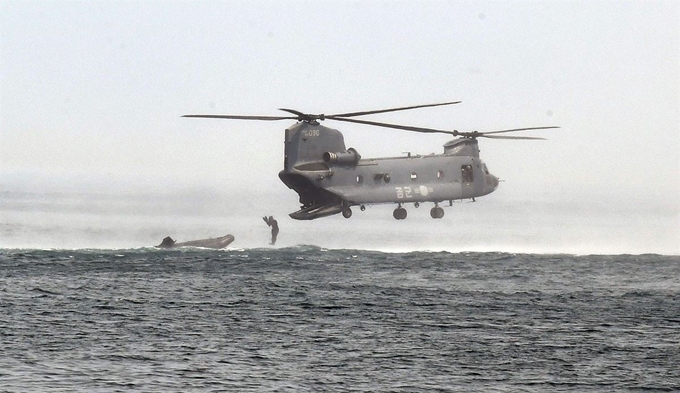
331 181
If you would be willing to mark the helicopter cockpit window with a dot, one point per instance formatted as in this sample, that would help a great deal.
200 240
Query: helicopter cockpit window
466 171
414 176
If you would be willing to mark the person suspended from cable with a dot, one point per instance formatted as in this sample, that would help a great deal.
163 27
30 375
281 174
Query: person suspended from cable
275 227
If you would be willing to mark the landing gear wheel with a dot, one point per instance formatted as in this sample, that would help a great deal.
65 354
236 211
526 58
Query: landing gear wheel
399 213
347 212
437 212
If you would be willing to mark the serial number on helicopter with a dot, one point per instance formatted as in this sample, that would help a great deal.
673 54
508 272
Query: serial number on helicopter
310 133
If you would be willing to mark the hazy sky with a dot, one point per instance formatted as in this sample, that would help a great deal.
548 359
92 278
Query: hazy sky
92 92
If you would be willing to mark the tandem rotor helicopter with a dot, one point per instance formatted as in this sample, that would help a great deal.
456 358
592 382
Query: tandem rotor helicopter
330 178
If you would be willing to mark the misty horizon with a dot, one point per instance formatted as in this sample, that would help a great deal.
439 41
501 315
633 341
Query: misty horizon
94 151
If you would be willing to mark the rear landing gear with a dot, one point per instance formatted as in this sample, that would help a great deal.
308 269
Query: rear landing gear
437 212
399 213
347 212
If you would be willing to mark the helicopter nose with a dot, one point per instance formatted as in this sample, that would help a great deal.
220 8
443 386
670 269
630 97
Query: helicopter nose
493 182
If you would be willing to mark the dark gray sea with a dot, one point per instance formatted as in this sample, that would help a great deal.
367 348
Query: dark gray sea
306 319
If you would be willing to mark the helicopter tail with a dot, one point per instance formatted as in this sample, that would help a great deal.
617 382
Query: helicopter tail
316 211
316 201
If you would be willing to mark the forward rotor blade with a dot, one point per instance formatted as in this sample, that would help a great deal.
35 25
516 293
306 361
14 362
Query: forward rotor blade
395 126
473 134
352 114
518 129
239 117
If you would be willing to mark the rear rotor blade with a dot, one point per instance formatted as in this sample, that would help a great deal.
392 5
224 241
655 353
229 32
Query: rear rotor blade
299 116
239 117
395 126
483 135
518 129
352 114
293 111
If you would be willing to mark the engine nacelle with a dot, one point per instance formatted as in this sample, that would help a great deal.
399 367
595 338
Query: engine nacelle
349 157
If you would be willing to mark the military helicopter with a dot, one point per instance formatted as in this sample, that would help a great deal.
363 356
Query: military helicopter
331 179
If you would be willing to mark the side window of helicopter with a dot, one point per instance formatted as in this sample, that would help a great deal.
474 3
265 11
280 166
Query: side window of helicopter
414 176
466 171
440 175
386 178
